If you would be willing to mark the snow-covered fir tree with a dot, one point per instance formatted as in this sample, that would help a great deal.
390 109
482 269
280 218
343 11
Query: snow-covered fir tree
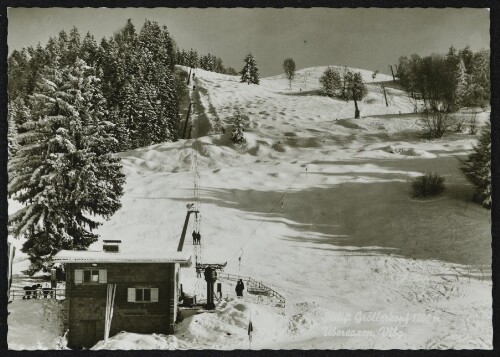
89 50
19 111
237 135
250 72
289 68
192 59
481 78
11 132
63 172
74 45
463 82
477 167
119 131
18 70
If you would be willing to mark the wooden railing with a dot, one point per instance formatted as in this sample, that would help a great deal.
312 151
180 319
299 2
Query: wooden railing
21 294
253 284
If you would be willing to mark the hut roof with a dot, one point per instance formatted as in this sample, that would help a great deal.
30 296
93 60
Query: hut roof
93 256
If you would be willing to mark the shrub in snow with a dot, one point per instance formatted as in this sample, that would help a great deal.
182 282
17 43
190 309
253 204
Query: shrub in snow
477 167
355 89
331 82
430 184
460 123
436 123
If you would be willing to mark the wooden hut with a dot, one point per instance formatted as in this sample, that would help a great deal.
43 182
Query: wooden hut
110 291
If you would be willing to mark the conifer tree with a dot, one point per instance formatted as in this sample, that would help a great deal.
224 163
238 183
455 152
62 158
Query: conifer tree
18 73
62 47
19 112
37 61
289 68
52 50
477 167
192 59
467 57
74 45
250 72
218 66
237 135
463 82
481 78
452 59
89 50
63 172
113 78
11 132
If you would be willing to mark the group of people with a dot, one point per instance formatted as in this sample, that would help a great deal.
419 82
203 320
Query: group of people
36 291
196 238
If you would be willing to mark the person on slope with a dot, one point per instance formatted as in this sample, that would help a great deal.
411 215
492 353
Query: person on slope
239 288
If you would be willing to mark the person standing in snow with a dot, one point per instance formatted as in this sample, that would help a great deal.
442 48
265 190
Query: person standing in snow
194 237
239 288
198 238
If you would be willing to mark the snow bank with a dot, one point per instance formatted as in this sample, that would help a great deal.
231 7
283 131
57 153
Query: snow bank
35 324
135 341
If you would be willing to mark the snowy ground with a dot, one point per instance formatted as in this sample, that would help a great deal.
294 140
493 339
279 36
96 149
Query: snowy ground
316 205
35 324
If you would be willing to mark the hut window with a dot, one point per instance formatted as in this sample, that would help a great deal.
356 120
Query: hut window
142 295
90 276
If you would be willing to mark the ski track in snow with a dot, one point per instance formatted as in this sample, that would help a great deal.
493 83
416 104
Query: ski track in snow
301 146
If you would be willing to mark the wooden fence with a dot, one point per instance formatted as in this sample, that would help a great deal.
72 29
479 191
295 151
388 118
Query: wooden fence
21 294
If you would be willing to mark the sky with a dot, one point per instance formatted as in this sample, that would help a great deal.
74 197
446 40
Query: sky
360 38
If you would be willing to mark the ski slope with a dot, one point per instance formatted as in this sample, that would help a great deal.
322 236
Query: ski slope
316 205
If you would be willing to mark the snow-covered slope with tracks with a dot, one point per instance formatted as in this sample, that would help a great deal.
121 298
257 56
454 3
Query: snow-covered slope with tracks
316 205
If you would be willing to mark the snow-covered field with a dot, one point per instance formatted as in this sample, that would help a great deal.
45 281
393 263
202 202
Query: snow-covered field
316 205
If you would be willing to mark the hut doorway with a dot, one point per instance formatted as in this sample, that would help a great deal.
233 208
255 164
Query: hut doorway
89 337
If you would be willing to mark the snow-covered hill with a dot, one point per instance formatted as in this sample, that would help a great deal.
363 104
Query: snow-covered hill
272 101
316 205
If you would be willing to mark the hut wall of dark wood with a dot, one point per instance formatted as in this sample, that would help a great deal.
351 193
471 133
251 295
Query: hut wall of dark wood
87 301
